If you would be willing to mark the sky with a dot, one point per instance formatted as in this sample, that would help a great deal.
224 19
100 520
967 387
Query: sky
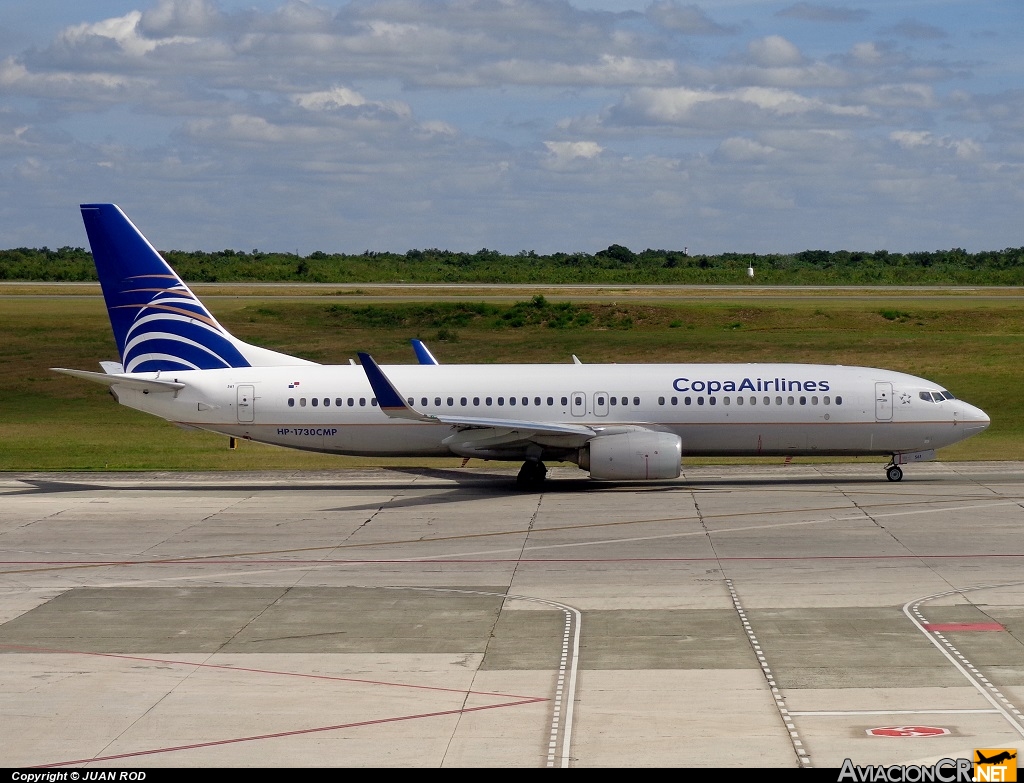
516 125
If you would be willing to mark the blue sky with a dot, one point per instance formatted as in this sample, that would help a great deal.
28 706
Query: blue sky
516 124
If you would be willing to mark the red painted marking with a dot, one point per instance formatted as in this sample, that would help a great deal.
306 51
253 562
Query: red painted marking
294 733
907 731
249 670
963 627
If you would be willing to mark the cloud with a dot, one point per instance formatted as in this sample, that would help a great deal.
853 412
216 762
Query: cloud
816 12
709 109
774 51
965 149
563 151
912 28
688 19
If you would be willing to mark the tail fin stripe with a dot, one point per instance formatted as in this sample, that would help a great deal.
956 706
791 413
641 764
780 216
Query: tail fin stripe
160 361
189 314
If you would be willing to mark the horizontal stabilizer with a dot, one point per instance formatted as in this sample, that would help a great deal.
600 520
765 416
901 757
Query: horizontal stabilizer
129 381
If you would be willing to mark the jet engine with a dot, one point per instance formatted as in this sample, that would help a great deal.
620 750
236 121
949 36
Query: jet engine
632 456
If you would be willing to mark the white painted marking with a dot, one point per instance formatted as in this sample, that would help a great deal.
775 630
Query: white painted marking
988 691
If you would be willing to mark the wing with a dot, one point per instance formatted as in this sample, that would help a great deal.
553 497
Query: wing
473 432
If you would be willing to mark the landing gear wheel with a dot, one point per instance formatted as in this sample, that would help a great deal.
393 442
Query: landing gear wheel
531 475
894 473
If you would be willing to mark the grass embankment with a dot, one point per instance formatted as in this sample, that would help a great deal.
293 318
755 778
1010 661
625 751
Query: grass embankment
52 422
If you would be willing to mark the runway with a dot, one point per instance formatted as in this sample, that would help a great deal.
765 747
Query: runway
745 616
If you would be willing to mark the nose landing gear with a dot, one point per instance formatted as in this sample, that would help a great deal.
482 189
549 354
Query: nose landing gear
893 472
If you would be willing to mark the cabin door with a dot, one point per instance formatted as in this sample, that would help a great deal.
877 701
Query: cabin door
244 407
883 401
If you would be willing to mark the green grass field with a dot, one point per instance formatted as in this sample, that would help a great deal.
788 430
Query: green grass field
51 422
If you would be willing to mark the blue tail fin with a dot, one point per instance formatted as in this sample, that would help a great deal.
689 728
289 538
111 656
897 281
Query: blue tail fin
159 324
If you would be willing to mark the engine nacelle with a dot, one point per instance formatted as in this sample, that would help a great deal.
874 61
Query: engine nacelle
633 456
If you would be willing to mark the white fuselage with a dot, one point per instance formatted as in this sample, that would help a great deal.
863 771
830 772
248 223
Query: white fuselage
716 409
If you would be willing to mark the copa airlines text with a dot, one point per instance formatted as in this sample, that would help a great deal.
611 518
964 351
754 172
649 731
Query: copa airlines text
617 421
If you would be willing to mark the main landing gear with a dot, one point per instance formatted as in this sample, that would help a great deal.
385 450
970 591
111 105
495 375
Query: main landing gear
531 475
893 472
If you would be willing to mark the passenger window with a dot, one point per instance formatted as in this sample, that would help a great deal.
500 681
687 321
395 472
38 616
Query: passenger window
373 401
451 402
437 402
814 400
501 401
613 401
315 402
423 401
712 401
327 402
803 400
302 402
476 401
488 401
352 402
579 400
338 401
675 400
362 402
826 399
700 400
790 401
767 400
565 401
778 401
291 402
463 401
526 400
409 400
536 400
725 400
661 401
511 401
753 400
625 400
686 400
839 400
551 400
636 401
739 400
600 400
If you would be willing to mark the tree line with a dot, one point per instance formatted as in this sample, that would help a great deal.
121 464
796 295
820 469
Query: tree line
615 264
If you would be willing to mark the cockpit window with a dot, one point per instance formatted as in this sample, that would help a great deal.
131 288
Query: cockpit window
926 396
947 395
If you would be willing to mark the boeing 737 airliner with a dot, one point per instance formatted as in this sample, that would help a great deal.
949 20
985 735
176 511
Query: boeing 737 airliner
619 422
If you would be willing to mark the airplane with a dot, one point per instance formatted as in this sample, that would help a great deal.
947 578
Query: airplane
618 422
996 759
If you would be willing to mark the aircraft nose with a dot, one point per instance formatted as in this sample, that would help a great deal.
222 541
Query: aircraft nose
975 418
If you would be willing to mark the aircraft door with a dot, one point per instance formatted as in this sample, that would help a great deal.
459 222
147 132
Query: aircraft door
245 406
883 401
600 404
579 404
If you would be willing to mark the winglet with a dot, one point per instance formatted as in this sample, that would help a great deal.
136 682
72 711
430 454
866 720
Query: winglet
388 397
423 354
